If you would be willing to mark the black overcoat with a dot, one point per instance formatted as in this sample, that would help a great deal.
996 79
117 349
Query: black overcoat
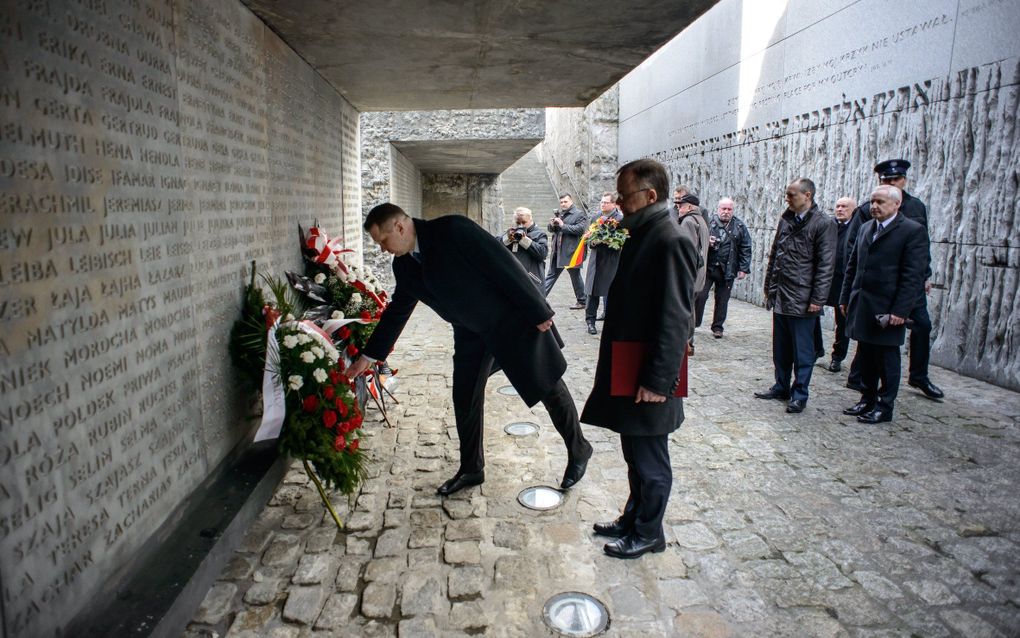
840 265
566 238
884 276
910 206
472 281
601 265
651 300
532 257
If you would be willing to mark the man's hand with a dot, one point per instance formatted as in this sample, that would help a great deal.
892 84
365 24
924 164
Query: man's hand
896 321
842 309
690 349
927 287
359 367
813 307
646 395
741 274
556 222
545 325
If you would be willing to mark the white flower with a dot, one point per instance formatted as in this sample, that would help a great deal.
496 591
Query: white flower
320 375
320 278
303 339
289 341
318 352
307 357
336 315
356 298
369 287
295 382
289 317
332 354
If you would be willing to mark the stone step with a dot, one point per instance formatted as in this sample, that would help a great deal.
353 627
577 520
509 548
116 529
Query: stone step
527 184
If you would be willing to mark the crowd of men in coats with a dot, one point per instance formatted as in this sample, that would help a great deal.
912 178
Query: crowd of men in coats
812 264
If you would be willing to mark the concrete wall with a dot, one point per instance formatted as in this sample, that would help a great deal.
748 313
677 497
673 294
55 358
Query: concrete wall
405 183
478 197
149 151
580 148
825 90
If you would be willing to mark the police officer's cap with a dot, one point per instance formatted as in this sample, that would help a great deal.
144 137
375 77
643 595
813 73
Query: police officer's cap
892 168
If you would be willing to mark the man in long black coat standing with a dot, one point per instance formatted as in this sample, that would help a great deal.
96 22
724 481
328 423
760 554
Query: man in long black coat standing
473 282
841 342
601 264
884 281
651 302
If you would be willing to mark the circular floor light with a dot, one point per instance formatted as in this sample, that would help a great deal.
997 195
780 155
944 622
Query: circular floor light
507 390
521 428
576 614
540 497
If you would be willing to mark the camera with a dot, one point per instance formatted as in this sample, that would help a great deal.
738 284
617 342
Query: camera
518 233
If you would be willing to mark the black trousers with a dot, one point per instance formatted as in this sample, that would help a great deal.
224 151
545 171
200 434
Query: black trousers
793 351
880 374
920 347
472 365
576 281
723 288
591 308
651 478
842 341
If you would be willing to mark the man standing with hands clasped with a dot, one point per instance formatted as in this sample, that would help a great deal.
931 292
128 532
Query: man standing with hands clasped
471 281
651 301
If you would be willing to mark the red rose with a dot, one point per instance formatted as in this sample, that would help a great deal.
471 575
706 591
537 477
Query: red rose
339 443
328 392
341 366
342 407
353 447
329 418
310 403
344 333
334 376
352 350
366 315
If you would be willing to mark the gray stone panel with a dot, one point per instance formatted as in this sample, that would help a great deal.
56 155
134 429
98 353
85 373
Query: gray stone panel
148 152
825 91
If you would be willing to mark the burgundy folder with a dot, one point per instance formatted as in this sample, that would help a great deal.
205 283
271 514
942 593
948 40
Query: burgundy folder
628 357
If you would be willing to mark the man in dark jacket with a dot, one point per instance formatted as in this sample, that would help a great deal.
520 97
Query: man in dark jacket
601 264
884 280
894 173
651 301
729 258
844 210
566 227
529 244
463 273
796 286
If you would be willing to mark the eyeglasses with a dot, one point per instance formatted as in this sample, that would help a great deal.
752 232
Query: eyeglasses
623 196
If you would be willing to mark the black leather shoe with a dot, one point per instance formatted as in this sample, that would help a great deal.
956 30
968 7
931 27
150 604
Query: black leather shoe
862 407
460 481
835 366
575 469
633 546
854 385
592 330
878 415
577 306
795 406
717 334
772 393
615 529
930 390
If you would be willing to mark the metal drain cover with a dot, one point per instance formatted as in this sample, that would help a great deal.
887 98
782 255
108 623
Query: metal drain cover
574 613
507 390
521 428
540 497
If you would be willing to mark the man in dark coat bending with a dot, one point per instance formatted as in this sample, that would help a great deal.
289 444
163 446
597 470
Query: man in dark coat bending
651 302
473 282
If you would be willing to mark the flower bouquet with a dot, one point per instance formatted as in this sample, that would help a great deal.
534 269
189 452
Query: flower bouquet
606 232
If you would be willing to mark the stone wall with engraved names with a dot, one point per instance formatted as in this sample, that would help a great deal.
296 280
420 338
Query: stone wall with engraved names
149 151
827 89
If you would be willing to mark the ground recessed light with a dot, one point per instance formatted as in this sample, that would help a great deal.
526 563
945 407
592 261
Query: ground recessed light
576 614
507 390
521 428
540 497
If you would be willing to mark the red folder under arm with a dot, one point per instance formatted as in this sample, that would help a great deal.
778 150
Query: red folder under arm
628 359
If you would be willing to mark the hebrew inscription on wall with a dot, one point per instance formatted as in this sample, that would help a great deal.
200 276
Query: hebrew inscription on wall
826 90
149 151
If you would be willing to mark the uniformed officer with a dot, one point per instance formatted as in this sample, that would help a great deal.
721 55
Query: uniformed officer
893 172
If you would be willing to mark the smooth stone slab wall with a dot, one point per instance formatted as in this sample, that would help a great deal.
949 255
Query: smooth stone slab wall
148 152
825 90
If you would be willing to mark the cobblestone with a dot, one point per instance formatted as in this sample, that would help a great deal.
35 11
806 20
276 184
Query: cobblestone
796 525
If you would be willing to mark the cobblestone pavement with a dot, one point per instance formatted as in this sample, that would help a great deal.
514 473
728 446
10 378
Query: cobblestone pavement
779 525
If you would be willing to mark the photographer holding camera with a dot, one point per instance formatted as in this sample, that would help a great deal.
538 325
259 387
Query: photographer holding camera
529 245
567 225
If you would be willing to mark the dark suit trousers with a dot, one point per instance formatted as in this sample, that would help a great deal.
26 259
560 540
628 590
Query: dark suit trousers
575 280
842 341
723 288
920 347
880 374
591 308
793 351
472 365
651 477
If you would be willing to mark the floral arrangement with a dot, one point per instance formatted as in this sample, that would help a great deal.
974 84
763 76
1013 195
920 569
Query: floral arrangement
606 231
